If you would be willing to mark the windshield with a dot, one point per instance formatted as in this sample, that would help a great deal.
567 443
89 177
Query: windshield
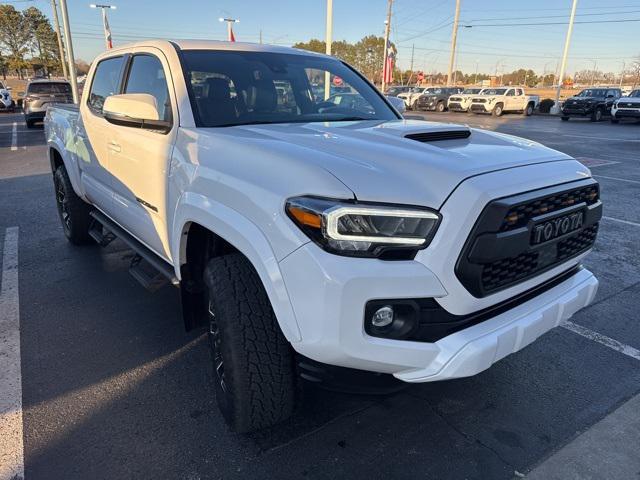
229 88
494 91
635 93
472 91
50 88
592 92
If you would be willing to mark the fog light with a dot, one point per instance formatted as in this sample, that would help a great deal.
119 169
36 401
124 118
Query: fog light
382 317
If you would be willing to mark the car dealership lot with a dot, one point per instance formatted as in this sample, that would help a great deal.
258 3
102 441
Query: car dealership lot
113 388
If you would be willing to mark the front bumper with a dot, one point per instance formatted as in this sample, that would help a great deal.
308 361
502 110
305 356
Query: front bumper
625 113
329 293
577 111
457 107
479 108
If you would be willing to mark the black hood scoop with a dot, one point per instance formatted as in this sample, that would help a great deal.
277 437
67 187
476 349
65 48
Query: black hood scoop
436 136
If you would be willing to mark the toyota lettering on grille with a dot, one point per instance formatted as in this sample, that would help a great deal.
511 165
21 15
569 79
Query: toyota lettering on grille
552 229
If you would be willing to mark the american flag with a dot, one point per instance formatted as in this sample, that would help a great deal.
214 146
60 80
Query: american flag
387 69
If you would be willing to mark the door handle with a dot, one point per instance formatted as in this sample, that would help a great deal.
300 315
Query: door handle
114 147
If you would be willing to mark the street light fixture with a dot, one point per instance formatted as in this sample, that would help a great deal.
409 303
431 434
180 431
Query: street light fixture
229 21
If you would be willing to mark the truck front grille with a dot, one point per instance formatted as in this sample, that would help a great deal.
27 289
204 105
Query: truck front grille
507 246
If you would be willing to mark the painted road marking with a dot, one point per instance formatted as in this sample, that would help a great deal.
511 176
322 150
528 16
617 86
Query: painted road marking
601 138
619 220
11 446
14 137
603 340
594 162
619 179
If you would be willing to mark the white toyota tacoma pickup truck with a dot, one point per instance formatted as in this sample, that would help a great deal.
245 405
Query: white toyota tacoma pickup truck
312 240
498 101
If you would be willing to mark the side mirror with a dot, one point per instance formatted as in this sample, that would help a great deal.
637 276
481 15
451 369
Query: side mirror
138 110
397 103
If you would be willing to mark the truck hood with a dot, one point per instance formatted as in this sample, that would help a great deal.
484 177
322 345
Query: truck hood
377 163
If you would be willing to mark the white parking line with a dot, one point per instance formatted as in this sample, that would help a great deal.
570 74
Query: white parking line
14 137
619 179
11 446
603 340
619 220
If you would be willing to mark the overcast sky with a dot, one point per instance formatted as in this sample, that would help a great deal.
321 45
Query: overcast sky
426 24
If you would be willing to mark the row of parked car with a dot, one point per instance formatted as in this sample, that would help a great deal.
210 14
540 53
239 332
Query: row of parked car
592 103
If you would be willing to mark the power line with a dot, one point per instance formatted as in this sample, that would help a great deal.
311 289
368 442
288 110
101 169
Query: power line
554 23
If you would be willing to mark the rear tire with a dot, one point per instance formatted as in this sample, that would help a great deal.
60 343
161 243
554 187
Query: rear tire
497 110
440 107
253 364
528 111
72 210
564 119
614 120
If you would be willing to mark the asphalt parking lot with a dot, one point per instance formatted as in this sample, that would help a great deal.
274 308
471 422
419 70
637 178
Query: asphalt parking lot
112 387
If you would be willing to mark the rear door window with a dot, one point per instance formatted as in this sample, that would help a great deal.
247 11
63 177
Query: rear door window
106 82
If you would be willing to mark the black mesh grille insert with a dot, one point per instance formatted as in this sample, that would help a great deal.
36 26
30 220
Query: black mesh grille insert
502 251
436 136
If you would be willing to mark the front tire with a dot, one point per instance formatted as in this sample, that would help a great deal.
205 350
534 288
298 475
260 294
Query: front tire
597 115
614 120
497 110
72 210
440 107
253 364
565 119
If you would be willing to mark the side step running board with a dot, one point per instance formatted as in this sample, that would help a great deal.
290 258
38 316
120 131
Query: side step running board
146 267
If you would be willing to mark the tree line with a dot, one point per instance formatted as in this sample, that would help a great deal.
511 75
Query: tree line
27 42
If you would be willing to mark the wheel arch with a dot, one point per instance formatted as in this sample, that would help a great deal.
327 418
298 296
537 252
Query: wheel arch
59 157
204 230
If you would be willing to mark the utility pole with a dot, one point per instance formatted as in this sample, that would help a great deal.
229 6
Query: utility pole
387 30
261 36
622 74
454 36
63 59
105 23
413 45
556 106
475 75
70 57
328 41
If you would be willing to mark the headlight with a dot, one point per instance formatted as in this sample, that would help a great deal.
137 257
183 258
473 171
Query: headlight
363 229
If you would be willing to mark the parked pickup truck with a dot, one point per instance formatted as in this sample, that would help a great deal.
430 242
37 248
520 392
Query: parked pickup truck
311 240
502 100
626 107
462 101
593 103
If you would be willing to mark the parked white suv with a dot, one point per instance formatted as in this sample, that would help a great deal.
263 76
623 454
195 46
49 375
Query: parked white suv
411 97
305 236
503 100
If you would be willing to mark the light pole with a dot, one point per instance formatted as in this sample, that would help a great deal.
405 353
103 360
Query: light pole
386 65
327 41
475 75
70 57
229 21
63 60
105 23
556 106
